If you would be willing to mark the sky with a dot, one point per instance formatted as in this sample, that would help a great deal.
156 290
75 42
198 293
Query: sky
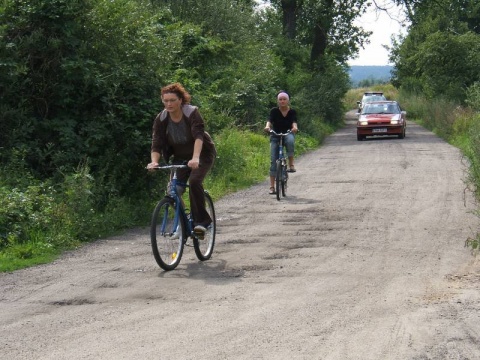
383 27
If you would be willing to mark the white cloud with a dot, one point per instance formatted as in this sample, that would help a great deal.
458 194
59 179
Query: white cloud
383 27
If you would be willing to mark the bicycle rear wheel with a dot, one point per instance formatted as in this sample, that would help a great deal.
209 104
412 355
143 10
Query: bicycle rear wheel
167 234
278 179
204 248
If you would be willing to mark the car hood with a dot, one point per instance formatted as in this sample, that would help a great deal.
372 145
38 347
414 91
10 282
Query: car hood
379 117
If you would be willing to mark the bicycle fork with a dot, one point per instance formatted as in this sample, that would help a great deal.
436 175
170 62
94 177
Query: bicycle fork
283 160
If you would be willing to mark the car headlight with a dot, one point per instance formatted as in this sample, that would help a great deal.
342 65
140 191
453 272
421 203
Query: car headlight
363 122
395 119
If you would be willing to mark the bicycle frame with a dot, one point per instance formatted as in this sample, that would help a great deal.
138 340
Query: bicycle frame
281 157
173 193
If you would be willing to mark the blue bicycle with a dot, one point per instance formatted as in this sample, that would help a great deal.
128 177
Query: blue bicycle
172 225
281 174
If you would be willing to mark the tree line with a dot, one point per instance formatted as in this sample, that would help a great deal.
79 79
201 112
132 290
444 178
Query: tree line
80 79
440 55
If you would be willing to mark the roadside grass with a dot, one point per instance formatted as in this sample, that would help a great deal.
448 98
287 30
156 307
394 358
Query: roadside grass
354 95
26 255
40 220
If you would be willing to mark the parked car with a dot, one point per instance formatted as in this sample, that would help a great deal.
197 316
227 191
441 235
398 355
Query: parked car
370 96
381 118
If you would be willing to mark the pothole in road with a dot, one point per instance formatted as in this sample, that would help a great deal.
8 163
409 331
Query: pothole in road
108 286
304 245
277 256
243 241
261 267
243 271
72 302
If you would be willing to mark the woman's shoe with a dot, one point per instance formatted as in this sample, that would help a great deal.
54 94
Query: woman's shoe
272 190
291 169
200 230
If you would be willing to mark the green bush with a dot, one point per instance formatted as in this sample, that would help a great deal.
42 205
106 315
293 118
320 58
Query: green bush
473 96
45 218
24 212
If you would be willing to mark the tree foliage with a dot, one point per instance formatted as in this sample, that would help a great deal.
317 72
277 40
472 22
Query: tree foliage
76 86
325 26
440 54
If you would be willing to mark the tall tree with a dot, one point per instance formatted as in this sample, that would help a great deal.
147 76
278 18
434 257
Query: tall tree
326 26
290 11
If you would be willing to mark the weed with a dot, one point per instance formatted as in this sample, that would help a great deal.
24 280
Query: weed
473 243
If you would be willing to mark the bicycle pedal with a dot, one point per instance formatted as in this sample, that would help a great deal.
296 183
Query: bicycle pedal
199 234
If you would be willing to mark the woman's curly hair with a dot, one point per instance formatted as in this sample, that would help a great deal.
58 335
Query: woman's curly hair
177 89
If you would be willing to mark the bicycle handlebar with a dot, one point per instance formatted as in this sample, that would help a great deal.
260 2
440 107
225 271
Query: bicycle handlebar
272 132
173 166
169 166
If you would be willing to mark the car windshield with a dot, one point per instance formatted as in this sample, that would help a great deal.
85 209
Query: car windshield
381 109
371 98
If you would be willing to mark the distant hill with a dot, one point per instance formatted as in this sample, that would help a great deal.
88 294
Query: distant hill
371 72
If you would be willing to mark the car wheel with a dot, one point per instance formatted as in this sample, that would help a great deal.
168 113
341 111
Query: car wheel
360 137
402 135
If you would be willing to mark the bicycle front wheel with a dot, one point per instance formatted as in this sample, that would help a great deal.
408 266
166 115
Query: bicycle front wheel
284 180
278 179
167 234
204 248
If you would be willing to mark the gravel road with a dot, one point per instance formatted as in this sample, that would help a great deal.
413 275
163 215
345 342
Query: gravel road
364 259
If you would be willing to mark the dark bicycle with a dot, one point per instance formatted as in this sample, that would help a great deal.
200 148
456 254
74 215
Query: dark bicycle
281 174
172 225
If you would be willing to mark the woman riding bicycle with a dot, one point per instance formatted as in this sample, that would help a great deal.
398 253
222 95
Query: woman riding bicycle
179 131
282 119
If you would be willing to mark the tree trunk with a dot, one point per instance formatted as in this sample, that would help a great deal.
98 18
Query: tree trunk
320 32
290 10
320 41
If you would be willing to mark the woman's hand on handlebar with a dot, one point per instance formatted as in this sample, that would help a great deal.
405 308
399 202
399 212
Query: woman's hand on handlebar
194 163
152 165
